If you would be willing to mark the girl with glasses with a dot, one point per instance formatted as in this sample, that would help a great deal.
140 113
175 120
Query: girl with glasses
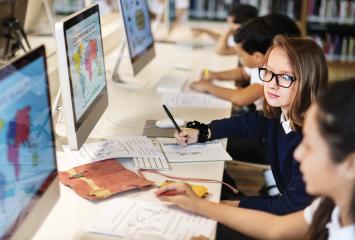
327 161
295 70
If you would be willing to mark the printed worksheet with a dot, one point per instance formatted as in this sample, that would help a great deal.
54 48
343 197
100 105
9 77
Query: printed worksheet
198 152
132 219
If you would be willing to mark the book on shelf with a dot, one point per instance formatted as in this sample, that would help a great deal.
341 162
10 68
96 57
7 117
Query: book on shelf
336 47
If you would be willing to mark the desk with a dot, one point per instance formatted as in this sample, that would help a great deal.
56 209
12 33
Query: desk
127 112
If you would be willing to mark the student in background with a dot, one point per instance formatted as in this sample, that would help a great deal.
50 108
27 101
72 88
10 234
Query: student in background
252 41
237 15
294 71
327 161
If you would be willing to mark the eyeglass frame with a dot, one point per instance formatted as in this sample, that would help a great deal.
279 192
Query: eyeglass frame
276 77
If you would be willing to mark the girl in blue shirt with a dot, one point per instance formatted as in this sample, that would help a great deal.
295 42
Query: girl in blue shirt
295 70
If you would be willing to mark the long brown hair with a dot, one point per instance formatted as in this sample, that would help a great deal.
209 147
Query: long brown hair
309 65
335 118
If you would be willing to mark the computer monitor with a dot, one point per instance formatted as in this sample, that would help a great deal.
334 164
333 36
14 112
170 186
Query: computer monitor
82 73
27 147
136 21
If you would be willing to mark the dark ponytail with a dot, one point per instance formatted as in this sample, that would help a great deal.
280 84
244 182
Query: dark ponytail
335 119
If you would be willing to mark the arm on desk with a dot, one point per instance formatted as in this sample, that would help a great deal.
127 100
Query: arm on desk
236 74
246 125
223 47
239 97
196 31
250 222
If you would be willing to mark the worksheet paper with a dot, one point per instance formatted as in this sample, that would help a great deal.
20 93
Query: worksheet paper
198 152
194 100
118 147
132 219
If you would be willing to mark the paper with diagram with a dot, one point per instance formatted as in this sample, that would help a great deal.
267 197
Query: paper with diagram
132 219
195 100
118 147
198 152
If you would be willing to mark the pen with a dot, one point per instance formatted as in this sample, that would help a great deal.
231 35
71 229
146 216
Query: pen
171 193
171 118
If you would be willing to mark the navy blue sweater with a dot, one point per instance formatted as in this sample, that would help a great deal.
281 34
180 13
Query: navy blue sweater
280 148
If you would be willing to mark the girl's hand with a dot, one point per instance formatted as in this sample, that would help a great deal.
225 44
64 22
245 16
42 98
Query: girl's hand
201 86
186 136
184 197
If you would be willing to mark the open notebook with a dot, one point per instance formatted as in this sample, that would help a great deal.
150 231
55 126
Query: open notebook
198 152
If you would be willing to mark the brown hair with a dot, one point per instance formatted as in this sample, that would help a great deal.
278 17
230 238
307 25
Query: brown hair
311 72
335 120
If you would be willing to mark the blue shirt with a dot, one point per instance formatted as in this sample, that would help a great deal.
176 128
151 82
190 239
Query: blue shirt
280 148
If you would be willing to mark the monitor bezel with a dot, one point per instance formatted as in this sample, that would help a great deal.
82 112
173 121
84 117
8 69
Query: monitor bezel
78 130
144 57
5 71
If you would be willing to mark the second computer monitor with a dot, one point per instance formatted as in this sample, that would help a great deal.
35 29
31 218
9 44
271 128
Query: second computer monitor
82 73
139 36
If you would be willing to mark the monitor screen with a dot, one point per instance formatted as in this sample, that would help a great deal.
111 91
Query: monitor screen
82 73
27 149
85 63
137 24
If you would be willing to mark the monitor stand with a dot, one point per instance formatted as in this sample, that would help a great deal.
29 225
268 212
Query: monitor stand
130 81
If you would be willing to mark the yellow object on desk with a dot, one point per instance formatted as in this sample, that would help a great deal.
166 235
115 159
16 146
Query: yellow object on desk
199 190
206 73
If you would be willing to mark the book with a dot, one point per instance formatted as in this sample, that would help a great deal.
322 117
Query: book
198 152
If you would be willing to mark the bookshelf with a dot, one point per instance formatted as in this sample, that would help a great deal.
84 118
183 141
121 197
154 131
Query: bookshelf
331 23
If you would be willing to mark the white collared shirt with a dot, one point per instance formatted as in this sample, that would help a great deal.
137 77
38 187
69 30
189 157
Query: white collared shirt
285 124
336 231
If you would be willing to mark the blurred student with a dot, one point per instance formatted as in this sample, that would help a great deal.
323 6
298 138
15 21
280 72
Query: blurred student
327 161
252 41
294 72
237 15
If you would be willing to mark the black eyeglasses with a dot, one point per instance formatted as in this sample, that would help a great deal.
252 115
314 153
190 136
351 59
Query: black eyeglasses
282 80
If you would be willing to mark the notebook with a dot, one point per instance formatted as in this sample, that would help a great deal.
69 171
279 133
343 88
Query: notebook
198 152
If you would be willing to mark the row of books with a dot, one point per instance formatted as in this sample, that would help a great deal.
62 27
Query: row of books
333 11
217 9
289 7
337 47
208 9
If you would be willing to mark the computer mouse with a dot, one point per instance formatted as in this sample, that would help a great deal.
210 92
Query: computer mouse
167 123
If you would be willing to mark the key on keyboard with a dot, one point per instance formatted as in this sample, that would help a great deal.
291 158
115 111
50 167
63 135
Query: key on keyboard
151 163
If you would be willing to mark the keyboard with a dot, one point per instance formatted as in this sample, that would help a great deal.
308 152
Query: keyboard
171 83
151 163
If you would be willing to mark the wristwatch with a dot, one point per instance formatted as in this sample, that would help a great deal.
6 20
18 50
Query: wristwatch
203 130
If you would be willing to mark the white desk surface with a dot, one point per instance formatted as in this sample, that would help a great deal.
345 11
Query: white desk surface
127 112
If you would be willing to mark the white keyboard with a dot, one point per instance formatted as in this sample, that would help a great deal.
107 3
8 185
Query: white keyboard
151 163
171 83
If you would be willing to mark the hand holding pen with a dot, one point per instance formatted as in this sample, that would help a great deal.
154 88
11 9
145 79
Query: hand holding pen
185 136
